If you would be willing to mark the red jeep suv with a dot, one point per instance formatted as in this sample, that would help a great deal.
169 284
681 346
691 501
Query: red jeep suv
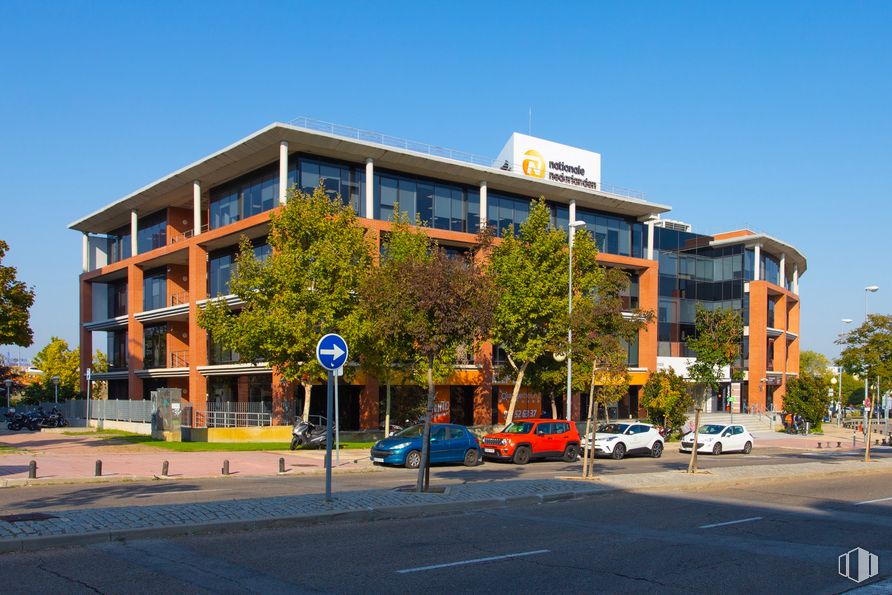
527 439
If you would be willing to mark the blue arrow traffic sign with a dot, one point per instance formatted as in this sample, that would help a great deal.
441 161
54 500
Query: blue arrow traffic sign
331 351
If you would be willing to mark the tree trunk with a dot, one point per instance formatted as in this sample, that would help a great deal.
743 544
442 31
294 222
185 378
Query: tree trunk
423 481
387 411
692 466
308 393
510 416
554 414
589 444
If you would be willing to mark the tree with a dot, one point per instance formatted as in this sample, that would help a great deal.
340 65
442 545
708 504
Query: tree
529 273
867 350
809 396
434 303
667 398
55 359
813 363
16 300
306 288
716 343
601 334
388 354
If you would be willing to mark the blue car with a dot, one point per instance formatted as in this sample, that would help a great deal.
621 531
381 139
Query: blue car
449 444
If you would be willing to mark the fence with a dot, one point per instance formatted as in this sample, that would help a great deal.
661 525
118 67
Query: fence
121 410
72 409
227 415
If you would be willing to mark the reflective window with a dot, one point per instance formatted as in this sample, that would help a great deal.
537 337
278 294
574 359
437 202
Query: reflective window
117 298
117 350
340 179
119 245
221 265
155 351
437 204
154 288
243 197
151 232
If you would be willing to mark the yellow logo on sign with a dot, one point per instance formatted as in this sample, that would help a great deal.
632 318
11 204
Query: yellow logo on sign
534 165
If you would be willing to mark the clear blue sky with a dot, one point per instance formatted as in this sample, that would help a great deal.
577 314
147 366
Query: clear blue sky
774 116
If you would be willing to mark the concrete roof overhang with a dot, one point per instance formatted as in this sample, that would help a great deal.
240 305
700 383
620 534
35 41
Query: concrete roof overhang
262 148
771 245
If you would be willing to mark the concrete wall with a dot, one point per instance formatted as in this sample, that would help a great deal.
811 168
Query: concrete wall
126 426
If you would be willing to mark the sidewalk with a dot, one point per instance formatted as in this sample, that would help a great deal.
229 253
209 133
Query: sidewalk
71 527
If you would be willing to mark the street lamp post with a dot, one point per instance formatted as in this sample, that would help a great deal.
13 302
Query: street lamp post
840 414
867 291
55 380
573 226
8 384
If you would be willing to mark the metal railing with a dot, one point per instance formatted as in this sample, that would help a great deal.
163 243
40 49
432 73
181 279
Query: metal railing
227 415
178 359
182 237
178 299
121 410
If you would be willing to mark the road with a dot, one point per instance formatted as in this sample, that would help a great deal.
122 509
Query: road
775 538
58 497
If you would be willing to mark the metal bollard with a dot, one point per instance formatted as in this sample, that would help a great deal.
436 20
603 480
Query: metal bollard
225 469
32 470
819 445
165 467
281 464
98 471
838 444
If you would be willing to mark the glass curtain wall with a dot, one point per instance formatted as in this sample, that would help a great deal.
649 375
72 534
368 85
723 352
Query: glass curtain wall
151 231
117 298
154 287
222 263
119 245
439 205
155 352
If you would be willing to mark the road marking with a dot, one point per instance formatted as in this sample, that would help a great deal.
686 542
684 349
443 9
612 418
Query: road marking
872 501
750 519
474 561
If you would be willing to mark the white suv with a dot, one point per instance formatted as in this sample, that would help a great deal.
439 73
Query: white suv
619 439
719 438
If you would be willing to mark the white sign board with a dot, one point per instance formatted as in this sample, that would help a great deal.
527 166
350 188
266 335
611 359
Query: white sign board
545 160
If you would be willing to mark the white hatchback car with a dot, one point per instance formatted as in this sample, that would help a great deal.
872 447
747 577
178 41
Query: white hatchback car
618 440
719 438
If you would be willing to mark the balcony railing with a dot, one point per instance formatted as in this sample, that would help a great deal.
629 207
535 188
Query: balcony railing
227 415
182 237
178 299
178 359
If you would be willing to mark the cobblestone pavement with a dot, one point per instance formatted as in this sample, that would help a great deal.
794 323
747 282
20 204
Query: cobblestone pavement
103 524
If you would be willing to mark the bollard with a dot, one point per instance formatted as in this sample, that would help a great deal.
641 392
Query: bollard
281 464
819 445
838 444
853 441
225 469
32 470
98 471
165 467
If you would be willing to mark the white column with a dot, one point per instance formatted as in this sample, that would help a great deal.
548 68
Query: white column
782 273
85 257
757 262
283 172
369 188
196 207
796 279
483 207
134 228
650 239
571 219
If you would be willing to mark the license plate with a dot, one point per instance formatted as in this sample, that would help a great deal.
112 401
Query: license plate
492 450
377 460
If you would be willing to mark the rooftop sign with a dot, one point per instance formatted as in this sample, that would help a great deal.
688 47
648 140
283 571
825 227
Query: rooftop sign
543 159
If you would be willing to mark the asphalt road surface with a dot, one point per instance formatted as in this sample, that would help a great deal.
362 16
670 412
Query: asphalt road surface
59 497
776 538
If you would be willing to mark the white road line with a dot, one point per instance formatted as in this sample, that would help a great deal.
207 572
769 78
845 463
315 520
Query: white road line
872 501
750 519
474 561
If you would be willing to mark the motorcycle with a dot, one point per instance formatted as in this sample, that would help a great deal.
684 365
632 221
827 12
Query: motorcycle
306 433
15 421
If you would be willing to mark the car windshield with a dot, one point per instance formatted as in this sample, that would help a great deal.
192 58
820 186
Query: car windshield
518 427
613 428
411 431
711 429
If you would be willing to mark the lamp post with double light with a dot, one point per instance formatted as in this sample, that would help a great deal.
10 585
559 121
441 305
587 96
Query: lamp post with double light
867 291
55 380
573 226
8 384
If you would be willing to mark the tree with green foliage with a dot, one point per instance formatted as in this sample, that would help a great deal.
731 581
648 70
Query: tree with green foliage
809 396
601 334
306 288
435 303
529 272
867 350
16 300
813 363
667 398
389 355
716 343
57 359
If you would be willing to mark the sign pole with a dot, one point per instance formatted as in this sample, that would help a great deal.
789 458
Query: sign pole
328 409
867 404
337 418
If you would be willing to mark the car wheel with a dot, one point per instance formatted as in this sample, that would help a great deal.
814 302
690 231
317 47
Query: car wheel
571 453
656 451
522 455
471 458
747 448
413 459
717 449
619 451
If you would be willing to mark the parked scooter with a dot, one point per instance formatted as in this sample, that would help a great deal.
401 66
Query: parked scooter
15 421
306 433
